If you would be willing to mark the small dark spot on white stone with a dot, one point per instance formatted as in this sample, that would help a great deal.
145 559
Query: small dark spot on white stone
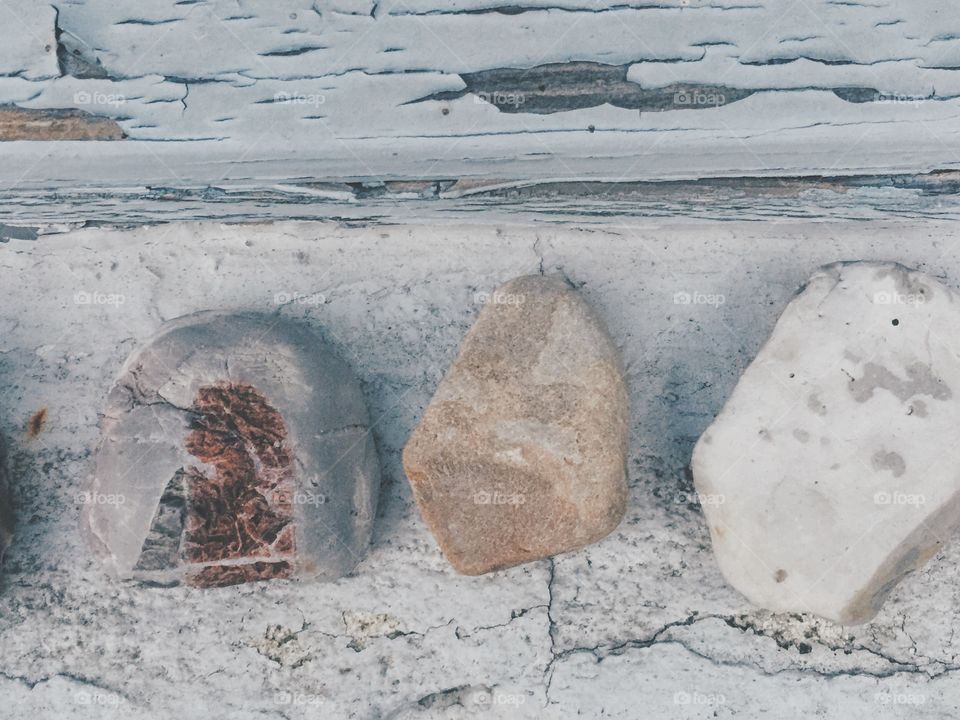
895 322
815 405
780 575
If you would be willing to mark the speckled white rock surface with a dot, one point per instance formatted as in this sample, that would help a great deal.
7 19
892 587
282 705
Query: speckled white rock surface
625 624
831 472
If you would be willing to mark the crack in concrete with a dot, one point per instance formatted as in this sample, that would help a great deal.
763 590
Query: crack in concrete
72 677
933 669
539 254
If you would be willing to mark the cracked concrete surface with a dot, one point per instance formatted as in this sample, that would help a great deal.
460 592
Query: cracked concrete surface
640 624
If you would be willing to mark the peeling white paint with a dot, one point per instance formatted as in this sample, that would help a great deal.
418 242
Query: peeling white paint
263 91
28 45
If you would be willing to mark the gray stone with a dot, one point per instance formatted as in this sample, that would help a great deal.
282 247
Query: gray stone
828 475
234 448
6 512
521 453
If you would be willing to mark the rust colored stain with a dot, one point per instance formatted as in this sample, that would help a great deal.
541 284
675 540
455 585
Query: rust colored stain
36 423
240 506
18 123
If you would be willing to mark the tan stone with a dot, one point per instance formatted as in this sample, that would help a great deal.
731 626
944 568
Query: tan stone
521 453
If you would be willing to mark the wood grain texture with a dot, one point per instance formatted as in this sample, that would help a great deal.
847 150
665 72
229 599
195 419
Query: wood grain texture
56 125
214 91
35 213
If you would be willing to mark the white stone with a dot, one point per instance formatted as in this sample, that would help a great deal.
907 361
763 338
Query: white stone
830 473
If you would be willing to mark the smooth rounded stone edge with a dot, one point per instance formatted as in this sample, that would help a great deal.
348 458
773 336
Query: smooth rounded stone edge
521 452
264 406
791 424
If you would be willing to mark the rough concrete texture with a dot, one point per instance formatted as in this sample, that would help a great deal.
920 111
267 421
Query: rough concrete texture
640 623
828 476
236 447
521 454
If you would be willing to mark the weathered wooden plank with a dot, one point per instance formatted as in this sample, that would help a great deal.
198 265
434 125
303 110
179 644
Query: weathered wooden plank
301 149
927 198
312 39
213 92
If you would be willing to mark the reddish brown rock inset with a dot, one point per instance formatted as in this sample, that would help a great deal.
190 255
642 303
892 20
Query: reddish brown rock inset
223 575
233 515
243 509
238 448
